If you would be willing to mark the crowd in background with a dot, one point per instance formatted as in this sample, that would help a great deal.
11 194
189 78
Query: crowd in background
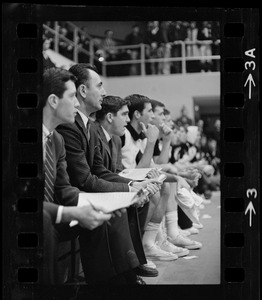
161 40
205 140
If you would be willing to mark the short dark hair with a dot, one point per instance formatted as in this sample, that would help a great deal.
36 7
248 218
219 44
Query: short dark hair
166 112
137 102
81 72
110 104
156 103
54 80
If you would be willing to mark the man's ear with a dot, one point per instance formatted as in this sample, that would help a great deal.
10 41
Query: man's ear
82 90
137 114
109 117
53 101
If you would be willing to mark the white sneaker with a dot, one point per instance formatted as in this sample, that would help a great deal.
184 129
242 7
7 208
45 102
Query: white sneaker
193 230
184 232
198 226
155 253
150 264
179 251
185 242
206 201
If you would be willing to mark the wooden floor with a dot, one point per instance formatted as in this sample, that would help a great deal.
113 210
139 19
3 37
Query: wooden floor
205 267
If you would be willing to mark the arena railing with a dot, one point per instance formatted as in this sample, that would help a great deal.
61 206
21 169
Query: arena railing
92 56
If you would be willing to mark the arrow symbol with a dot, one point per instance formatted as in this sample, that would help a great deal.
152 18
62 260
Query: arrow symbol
250 208
249 81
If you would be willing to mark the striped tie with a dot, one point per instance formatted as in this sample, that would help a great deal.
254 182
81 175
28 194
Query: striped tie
49 171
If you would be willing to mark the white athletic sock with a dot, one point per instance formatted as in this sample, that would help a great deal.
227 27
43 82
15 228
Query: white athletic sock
150 234
161 234
172 229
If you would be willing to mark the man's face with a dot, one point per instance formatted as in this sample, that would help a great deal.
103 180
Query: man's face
147 114
120 121
169 122
175 140
159 117
94 92
67 105
182 136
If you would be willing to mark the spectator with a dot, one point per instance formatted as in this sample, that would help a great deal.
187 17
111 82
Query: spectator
84 42
134 38
216 45
153 38
214 133
165 48
47 62
183 120
110 53
200 124
205 34
177 32
192 49
64 46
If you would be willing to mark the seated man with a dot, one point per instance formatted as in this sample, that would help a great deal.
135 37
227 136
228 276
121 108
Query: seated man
111 121
87 171
103 262
161 159
138 146
60 198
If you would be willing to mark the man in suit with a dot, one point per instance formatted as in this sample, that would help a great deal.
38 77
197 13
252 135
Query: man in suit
111 121
87 171
60 198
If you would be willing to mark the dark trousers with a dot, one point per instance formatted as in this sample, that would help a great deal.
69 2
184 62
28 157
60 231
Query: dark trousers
56 242
108 251
136 231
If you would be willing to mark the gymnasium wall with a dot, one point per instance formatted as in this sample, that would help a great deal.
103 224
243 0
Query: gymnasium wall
173 90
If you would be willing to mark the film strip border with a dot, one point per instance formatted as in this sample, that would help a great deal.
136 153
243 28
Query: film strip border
23 179
240 155
22 155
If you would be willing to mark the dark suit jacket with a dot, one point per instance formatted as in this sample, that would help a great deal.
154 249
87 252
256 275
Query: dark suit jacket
65 194
85 163
107 250
113 162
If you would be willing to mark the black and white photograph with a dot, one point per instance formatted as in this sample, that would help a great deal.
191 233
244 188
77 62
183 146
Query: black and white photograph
120 170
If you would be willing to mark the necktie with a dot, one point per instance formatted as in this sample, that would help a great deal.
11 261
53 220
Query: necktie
49 171
88 131
113 151
110 146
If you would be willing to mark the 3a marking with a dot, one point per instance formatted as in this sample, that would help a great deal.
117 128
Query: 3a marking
250 65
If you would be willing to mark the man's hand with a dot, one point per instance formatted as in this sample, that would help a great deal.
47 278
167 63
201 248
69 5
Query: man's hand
137 185
181 183
169 168
154 173
151 132
165 132
86 215
152 189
